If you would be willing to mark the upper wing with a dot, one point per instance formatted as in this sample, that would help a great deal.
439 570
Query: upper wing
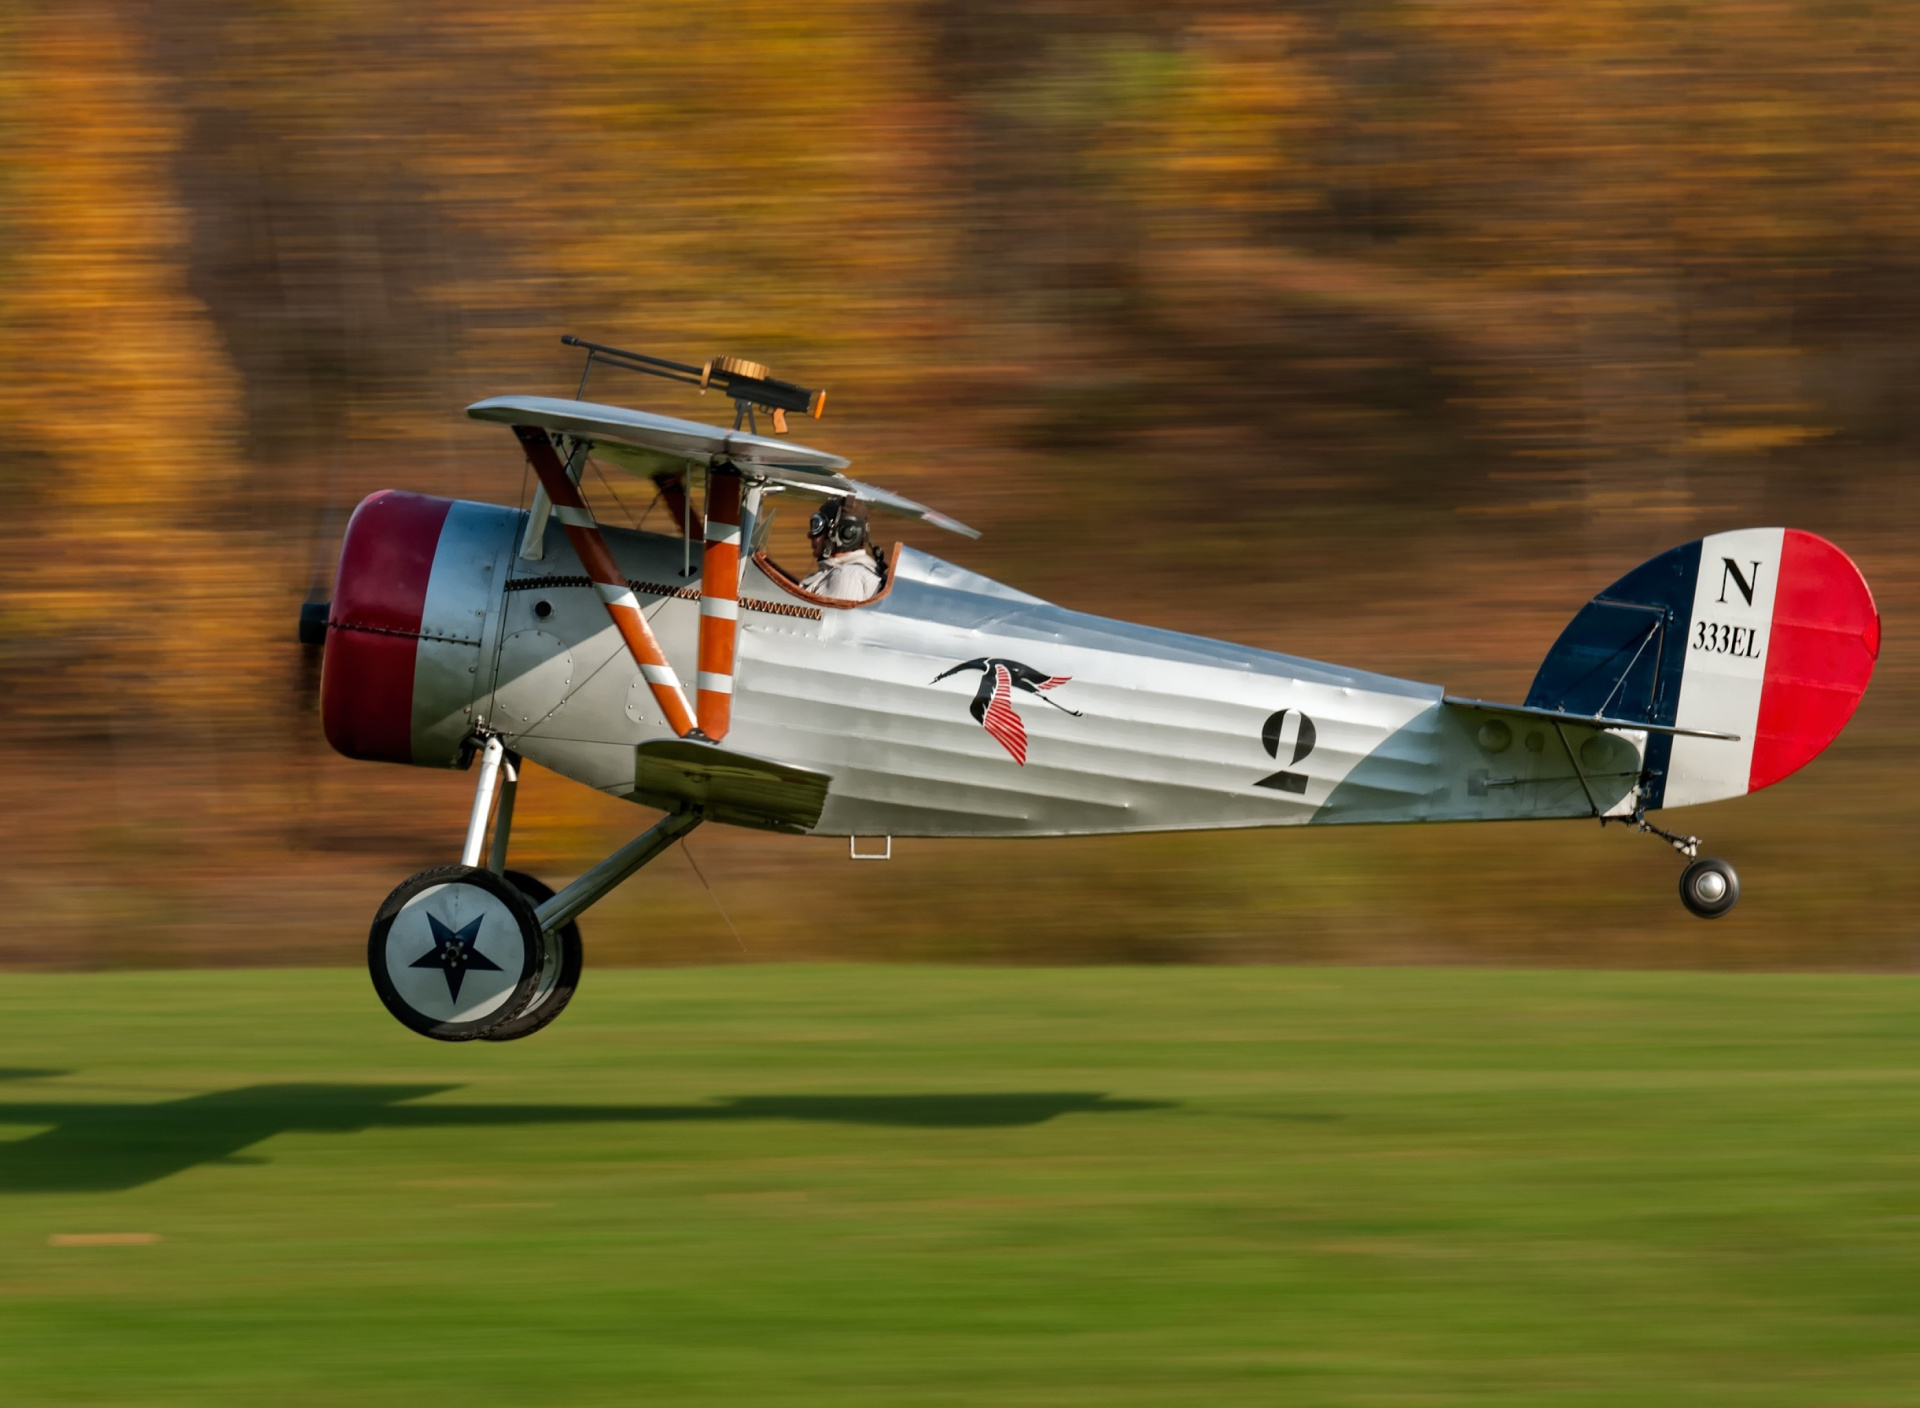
666 436
645 443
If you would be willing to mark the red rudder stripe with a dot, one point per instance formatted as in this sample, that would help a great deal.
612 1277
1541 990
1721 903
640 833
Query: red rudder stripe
1825 639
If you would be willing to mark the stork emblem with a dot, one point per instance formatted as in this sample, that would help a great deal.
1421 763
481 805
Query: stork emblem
992 705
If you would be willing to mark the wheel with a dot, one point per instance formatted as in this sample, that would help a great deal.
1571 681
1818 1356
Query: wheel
455 951
561 958
1709 887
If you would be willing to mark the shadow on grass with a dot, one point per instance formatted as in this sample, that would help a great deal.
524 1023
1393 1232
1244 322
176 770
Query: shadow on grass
103 1148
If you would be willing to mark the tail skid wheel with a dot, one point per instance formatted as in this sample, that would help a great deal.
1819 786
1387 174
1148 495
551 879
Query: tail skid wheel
1709 887
454 952
561 958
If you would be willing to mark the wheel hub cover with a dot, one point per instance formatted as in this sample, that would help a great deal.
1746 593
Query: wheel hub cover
455 953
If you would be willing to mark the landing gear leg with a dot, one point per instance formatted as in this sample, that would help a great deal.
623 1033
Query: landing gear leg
465 951
1688 846
560 935
1709 887
573 901
503 816
561 953
491 757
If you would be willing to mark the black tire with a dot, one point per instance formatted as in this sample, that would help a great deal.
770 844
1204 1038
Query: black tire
483 932
1709 887
561 961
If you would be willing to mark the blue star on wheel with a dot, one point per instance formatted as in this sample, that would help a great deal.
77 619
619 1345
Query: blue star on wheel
454 954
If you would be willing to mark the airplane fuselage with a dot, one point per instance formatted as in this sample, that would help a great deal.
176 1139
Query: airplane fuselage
905 702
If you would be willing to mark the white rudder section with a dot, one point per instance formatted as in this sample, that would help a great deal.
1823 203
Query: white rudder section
1726 642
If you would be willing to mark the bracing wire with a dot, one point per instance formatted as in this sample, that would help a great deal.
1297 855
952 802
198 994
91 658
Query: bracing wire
712 896
658 495
610 494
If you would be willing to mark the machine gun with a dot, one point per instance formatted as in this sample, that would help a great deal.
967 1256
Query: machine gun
751 385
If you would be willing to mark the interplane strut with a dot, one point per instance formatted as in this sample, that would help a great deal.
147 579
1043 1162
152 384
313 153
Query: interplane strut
719 602
618 598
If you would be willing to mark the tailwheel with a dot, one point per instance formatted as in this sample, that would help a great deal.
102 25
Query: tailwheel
1709 887
560 961
455 952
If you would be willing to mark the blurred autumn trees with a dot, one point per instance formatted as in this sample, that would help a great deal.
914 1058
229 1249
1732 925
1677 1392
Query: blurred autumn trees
1563 264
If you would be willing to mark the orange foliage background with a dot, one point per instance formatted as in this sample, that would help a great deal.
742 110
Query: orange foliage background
1424 322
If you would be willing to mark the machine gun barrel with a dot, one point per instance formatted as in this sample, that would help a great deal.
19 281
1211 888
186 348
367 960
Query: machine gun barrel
635 361
730 374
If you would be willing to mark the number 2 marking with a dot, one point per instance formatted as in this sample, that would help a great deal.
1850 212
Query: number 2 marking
1287 781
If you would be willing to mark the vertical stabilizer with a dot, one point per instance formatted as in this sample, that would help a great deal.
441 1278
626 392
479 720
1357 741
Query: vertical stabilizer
1767 633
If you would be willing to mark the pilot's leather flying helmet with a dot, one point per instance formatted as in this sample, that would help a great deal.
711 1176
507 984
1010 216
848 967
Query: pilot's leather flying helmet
842 522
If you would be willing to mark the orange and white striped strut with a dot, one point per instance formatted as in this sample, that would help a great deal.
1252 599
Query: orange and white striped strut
584 533
719 603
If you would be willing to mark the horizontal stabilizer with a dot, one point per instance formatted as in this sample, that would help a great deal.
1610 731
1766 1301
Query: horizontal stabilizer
1584 720
736 788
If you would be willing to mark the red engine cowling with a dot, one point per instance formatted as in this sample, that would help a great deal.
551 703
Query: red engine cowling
405 631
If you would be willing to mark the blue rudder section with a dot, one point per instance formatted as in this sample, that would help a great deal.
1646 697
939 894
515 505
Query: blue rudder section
1623 655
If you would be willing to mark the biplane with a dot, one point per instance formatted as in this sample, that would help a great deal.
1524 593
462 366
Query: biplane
947 704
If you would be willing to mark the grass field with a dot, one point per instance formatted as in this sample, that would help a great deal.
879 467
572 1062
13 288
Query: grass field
945 1186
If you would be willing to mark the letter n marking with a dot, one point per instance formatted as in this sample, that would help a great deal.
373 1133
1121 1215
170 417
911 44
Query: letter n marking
1741 584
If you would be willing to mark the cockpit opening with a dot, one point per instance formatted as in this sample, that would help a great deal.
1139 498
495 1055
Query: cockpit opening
848 567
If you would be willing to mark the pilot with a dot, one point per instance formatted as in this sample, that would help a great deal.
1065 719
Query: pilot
838 536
